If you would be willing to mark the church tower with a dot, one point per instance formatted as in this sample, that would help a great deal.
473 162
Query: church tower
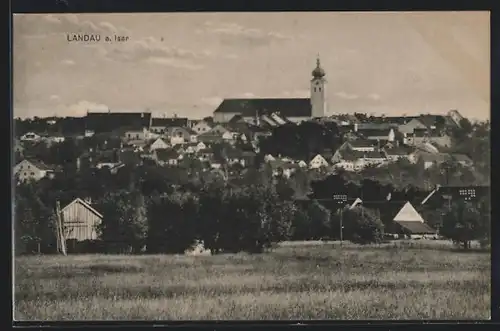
318 91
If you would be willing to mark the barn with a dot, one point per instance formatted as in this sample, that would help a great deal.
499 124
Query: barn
409 222
80 221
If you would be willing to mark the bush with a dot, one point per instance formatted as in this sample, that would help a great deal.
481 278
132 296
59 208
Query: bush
362 226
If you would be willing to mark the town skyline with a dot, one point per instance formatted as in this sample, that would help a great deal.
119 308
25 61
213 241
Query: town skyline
186 64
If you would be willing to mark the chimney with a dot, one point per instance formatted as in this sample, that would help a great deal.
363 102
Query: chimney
88 200
78 163
355 127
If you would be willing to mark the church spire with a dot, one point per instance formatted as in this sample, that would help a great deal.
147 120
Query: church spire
318 72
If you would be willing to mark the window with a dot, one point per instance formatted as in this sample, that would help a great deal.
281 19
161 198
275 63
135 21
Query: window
32 174
319 89
314 89
26 174
129 135
29 167
137 136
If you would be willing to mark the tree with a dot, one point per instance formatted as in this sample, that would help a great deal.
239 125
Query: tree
362 226
319 218
464 223
172 223
124 224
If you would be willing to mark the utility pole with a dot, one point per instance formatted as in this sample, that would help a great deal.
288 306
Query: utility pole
341 200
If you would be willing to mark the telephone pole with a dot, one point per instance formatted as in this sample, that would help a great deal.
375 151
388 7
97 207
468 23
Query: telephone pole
341 200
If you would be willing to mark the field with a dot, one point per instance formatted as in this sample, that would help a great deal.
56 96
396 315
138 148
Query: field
308 281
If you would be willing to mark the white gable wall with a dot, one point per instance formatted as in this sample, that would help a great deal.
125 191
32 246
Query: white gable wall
408 214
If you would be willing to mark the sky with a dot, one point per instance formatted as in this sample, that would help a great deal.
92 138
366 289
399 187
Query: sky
390 63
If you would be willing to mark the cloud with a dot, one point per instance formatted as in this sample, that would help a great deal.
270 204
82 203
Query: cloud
68 62
374 96
67 23
155 51
55 97
212 101
246 95
81 108
296 94
175 63
235 32
347 96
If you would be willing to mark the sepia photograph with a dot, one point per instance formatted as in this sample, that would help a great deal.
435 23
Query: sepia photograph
251 166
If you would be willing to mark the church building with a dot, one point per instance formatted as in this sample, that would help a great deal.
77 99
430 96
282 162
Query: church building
293 109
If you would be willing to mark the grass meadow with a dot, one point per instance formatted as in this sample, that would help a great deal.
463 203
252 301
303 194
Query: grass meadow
421 280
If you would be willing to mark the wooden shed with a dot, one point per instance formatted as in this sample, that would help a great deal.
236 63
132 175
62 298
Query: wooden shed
80 221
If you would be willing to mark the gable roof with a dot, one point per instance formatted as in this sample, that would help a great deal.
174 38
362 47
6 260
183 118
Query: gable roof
169 121
288 107
110 121
38 164
374 155
166 154
84 204
375 132
416 227
360 143
408 214
433 157
461 158
397 151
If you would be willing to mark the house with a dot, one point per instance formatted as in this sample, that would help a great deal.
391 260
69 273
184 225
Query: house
409 222
53 139
157 144
202 127
80 221
462 159
427 147
374 158
112 166
100 122
229 136
455 116
378 134
429 159
218 129
409 127
302 164
318 162
167 156
30 136
421 136
348 159
160 125
396 153
180 135
136 134
269 157
32 170
209 137
206 155
361 145
283 168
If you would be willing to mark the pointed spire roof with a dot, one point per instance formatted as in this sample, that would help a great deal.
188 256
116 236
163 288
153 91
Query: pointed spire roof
318 72
408 214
